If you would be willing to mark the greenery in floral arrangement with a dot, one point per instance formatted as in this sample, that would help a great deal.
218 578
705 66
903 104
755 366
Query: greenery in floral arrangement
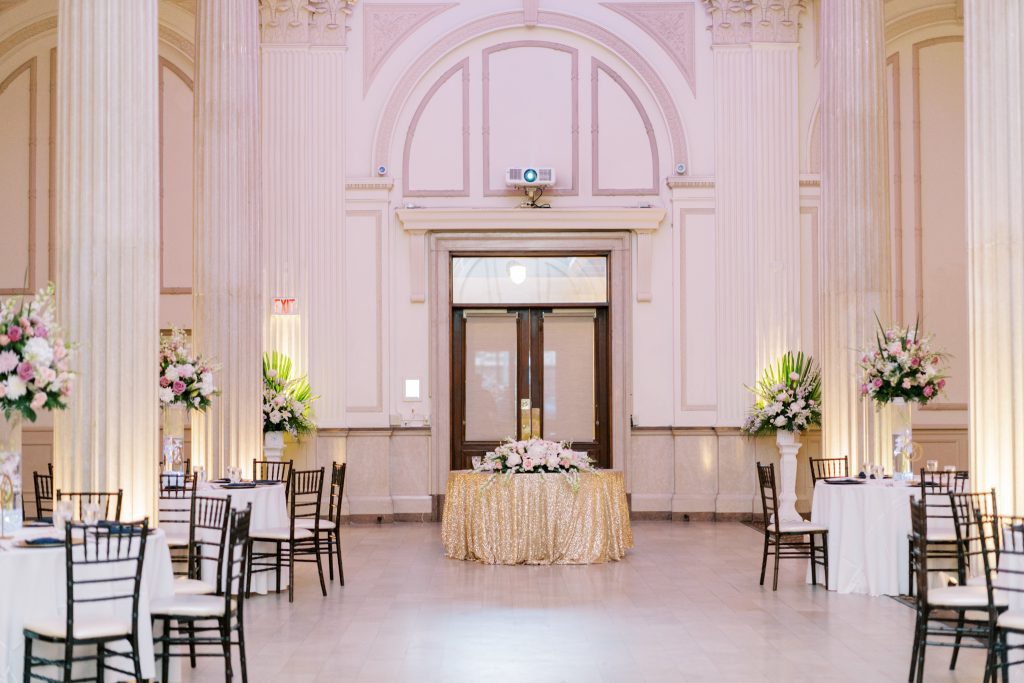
788 396
185 380
34 370
904 365
287 401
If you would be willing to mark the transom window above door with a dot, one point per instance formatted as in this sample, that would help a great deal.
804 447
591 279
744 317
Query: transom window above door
564 279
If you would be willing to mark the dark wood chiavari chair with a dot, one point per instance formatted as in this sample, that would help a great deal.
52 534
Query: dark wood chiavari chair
945 616
208 531
272 470
174 513
100 561
1003 557
43 485
300 540
941 539
105 499
330 525
193 613
829 468
787 540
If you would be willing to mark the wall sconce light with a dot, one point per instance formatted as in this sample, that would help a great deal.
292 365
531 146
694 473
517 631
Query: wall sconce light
412 390
285 306
517 272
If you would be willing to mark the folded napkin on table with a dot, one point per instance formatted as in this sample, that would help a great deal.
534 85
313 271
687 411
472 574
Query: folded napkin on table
239 485
267 481
44 540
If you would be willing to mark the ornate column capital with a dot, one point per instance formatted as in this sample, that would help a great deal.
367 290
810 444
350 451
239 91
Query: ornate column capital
285 22
735 22
330 19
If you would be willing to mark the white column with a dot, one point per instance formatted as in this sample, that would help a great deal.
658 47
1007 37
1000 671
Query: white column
327 214
108 247
994 54
285 94
855 265
303 62
228 309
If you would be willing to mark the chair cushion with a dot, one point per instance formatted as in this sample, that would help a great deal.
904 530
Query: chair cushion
961 596
941 535
280 534
186 586
1012 619
801 527
308 523
85 627
188 606
979 580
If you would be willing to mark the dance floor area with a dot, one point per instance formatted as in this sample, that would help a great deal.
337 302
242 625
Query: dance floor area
684 605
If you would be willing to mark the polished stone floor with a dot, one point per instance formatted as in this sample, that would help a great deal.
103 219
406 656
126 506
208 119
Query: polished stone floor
683 606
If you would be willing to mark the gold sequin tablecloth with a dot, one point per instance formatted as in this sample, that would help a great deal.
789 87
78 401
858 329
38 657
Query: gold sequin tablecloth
536 518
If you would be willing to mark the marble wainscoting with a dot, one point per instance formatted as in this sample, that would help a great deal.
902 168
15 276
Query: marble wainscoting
677 473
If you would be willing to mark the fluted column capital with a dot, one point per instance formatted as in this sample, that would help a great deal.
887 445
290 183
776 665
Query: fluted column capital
737 22
305 22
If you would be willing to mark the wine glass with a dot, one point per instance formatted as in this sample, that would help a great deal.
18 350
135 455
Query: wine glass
932 465
63 512
476 462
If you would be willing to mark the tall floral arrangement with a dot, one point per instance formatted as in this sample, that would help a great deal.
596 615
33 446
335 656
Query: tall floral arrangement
287 401
535 455
788 396
902 364
185 380
34 370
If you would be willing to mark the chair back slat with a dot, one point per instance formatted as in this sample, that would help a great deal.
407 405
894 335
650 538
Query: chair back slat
238 542
337 491
967 509
109 501
272 470
307 487
43 485
769 495
919 548
208 533
828 468
104 564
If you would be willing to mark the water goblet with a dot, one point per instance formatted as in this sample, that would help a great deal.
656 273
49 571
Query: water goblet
91 513
932 465
63 512
949 468
476 462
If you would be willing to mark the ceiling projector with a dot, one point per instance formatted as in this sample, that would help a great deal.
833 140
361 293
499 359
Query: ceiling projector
533 180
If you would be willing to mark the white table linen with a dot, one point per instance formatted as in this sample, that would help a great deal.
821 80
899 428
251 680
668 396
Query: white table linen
32 587
868 525
269 511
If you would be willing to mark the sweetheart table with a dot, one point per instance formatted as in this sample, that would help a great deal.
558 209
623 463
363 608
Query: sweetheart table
536 518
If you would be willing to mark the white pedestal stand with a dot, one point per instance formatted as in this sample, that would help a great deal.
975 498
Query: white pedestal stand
788 447
273 446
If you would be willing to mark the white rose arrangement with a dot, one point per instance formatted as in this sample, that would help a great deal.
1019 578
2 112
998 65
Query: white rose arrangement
287 402
788 397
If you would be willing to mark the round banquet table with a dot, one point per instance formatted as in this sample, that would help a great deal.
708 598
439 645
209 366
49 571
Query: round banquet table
536 518
32 586
269 511
868 525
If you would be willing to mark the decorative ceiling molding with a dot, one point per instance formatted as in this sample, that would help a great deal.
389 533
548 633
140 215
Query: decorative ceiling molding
735 22
671 26
903 24
386 26
643 219
178 42
26 33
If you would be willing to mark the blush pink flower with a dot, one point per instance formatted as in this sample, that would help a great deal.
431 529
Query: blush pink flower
178 387
164 382
42 331
929 390
26 372
877 383
942 384
38 401
14 333
4 340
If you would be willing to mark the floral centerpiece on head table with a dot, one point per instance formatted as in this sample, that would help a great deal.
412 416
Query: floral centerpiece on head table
902 365
287 401
185 380
534 455
788 397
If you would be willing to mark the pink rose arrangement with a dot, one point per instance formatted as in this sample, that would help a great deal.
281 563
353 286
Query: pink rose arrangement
535 455
904 365
185 380
34 372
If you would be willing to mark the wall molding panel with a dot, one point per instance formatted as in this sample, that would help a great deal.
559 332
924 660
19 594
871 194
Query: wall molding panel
461 68
596 68
29 67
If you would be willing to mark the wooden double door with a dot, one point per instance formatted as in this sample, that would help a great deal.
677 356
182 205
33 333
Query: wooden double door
527 371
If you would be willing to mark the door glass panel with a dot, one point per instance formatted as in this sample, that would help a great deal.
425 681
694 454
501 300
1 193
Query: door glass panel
491 345
569 377
529 279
